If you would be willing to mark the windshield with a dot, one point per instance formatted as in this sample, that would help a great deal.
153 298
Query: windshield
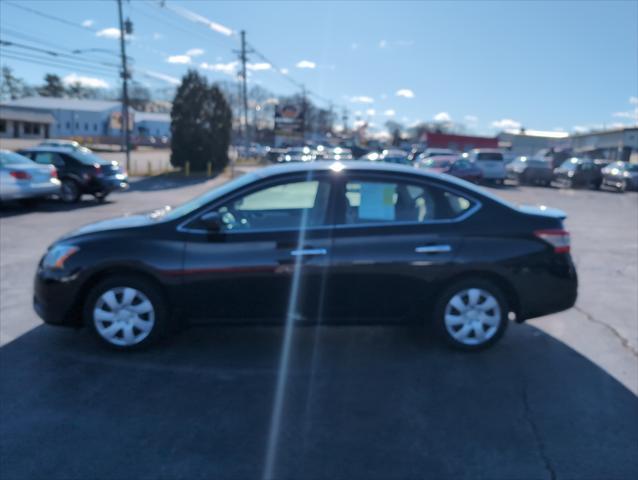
437 163
490 156
205 198
10 158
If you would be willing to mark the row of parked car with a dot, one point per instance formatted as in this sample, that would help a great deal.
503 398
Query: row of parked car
488 165
58 168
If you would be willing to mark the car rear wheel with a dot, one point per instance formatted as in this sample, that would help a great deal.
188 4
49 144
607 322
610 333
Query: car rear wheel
70 191
101 196
472 314
126 312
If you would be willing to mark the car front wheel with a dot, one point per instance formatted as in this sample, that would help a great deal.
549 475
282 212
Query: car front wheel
126 312
472 314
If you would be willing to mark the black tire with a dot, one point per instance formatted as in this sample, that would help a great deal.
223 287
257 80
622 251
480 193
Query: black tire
148 289
101 196
70 191
439 323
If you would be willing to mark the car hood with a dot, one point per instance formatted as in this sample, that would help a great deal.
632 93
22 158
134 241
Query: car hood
542 210
119 223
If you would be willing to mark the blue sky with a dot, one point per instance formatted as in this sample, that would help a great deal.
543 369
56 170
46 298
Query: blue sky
544 65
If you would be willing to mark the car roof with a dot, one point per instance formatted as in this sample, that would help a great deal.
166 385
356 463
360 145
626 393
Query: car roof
377 167
46 148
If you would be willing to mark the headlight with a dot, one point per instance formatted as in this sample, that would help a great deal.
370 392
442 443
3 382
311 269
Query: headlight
55 258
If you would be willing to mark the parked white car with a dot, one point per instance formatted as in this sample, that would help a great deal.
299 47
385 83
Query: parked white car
23 179
491 162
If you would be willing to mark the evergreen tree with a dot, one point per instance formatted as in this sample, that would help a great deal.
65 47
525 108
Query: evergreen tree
200 125
53 86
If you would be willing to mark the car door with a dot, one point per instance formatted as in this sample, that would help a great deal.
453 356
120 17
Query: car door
394 238
270 257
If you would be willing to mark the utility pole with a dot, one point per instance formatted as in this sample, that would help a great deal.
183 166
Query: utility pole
125 29
304 112
243 58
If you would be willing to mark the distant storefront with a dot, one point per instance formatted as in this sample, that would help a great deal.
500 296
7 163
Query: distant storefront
25 123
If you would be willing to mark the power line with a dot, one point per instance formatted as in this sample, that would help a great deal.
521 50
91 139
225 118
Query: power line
51 63
62 61
54 53
46 15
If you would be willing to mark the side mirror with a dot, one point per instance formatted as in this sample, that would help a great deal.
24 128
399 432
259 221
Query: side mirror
212 222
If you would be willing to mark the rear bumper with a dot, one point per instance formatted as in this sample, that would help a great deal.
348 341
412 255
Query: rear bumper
548 288
30 191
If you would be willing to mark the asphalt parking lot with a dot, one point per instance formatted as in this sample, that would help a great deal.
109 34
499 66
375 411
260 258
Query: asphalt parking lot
555 399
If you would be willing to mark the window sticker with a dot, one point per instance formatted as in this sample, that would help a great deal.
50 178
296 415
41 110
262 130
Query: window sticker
377 201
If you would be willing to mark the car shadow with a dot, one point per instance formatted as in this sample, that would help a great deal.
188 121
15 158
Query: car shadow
11 209
166 182
360 402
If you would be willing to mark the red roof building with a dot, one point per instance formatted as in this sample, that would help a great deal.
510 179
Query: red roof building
461 143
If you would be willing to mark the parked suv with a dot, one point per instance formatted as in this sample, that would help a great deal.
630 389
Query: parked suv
491 162
81 172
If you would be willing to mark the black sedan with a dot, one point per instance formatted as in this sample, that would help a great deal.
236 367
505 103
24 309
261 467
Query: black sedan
80 171
328 242
578 172
530 171
621 176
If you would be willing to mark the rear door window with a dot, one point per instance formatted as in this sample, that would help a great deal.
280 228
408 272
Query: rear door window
373 201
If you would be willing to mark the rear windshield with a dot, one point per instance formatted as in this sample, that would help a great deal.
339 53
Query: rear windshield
490 156
88 158
10 158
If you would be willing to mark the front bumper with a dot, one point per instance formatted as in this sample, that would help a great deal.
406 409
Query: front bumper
109 184
56 297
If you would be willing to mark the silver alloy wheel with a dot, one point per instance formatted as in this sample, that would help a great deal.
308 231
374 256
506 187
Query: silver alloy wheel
472 316
123 316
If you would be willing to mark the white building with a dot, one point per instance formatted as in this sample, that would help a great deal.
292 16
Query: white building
25 123
77 118
151 124
528 142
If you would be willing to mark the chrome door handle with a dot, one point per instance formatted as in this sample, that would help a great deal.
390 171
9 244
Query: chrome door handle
433 249
308 252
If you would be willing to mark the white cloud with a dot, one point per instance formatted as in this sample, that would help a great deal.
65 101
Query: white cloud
371 112
633 100
390 113
181 59
306 64
157 36
194 52
91 82
442 117
470 119
383 43
110 32
88 23
258 66
284 71
580 129
405 92
163 77
361 99
227 68
617 125
506 124
195 17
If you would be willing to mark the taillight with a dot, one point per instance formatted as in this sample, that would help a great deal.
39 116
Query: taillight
19 175
54 171
558 238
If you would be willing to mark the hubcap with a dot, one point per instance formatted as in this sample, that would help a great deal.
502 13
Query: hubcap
123 316
472 316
